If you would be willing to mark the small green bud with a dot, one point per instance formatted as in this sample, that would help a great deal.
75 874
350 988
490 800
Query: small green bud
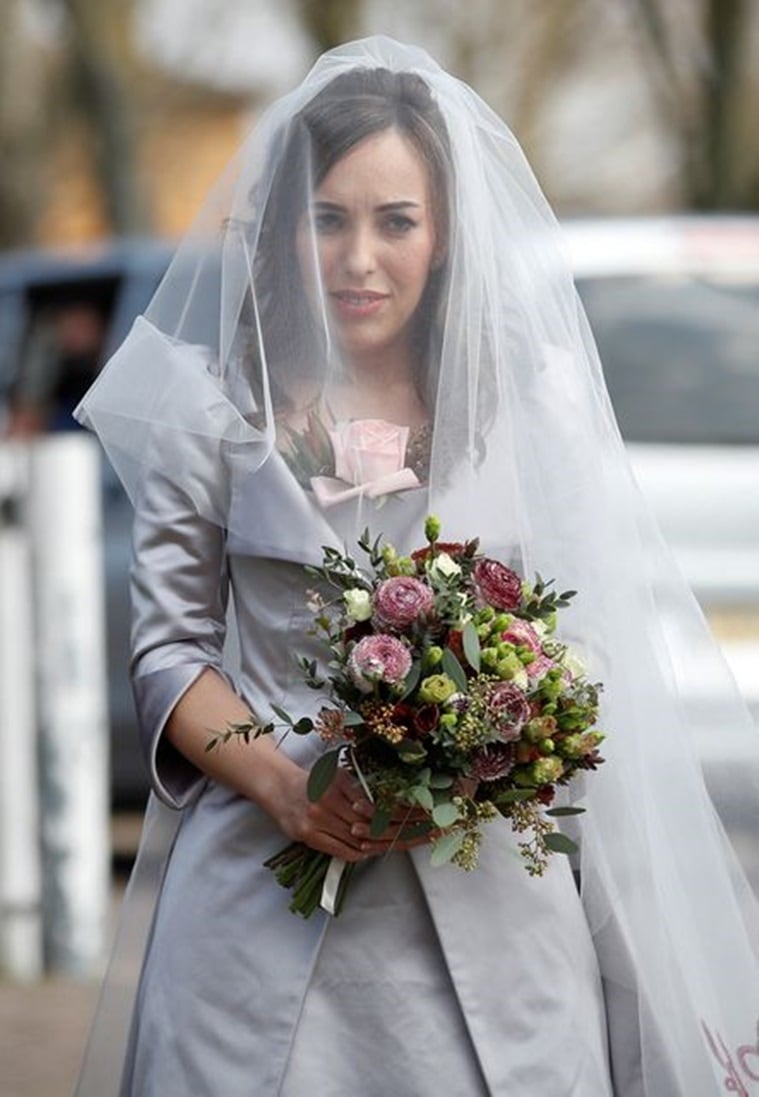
509 666
432 656
489 657
501 622
432 528
546 746
448 720
487 613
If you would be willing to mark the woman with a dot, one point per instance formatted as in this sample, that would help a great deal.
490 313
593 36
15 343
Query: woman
378 285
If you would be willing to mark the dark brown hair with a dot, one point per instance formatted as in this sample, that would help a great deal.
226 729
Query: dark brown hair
352 107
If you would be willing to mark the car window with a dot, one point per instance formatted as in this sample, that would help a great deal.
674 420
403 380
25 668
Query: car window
680 355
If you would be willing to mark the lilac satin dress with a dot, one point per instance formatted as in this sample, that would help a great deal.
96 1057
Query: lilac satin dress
431 981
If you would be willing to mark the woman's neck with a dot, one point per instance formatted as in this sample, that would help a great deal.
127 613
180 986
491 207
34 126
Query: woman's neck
383 388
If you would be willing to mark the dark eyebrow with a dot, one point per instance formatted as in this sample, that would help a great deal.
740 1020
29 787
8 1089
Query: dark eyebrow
384 208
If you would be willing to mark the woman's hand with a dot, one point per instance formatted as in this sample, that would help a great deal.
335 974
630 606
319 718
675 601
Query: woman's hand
338 822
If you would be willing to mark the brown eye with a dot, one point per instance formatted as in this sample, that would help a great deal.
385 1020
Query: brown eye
327 221
399 223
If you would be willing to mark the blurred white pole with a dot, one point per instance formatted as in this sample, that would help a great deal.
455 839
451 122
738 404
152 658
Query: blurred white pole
65 524
20 875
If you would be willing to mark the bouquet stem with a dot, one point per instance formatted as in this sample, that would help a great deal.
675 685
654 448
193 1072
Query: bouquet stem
303 871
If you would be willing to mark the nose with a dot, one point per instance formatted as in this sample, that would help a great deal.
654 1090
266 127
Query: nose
359 258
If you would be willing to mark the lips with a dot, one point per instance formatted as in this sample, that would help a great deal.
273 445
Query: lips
358 302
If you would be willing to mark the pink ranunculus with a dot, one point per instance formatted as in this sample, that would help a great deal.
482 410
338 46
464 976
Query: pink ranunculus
522 634
368 449
509 709
400 601
539 667
379 658
497 585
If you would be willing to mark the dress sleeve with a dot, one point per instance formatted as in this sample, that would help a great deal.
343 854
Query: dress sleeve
179 589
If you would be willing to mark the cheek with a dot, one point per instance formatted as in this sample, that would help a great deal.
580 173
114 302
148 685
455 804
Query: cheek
416 267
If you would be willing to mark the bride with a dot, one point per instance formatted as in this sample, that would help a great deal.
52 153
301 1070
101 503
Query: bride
377 282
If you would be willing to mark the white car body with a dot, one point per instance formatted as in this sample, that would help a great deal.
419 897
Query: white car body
705 494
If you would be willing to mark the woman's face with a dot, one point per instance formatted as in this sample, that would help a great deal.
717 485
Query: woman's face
371 229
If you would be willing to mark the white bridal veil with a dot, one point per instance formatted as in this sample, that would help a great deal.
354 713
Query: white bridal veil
525 453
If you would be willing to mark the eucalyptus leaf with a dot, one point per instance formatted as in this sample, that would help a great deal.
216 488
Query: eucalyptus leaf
284 716
411 680
515 795
471 642
322 774
352 719
379 823
303 726
453 668
410 752
559 843
415 830
440 780
445 815
557 812
423 797
445 848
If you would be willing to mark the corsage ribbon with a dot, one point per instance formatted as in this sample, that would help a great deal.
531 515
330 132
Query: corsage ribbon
329 491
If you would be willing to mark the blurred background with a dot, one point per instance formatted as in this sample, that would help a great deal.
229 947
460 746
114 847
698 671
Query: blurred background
116 116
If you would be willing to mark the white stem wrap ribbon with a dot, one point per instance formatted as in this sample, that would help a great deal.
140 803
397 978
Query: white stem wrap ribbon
331 884
337 866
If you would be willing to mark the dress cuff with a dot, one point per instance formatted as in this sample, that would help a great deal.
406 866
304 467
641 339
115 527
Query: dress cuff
175 780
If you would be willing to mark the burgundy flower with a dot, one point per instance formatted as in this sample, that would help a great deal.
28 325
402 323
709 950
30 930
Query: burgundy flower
497 585
379 658
455 641
426 718
357 630
400 601
509 709
453 548
492 762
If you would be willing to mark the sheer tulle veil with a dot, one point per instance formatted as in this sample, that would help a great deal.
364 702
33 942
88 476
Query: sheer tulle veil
525 453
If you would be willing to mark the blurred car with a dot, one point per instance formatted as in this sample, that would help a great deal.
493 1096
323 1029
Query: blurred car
674 306
61 315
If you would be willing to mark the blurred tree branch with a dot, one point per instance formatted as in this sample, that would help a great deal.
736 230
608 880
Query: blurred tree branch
330 22
22 127
705 97
101 59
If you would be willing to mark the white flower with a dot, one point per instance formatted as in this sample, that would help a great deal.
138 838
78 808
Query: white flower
521 679
574 664
443 567
314 601
358 604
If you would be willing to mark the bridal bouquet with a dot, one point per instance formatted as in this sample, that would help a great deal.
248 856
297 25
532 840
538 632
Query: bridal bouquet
448 695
